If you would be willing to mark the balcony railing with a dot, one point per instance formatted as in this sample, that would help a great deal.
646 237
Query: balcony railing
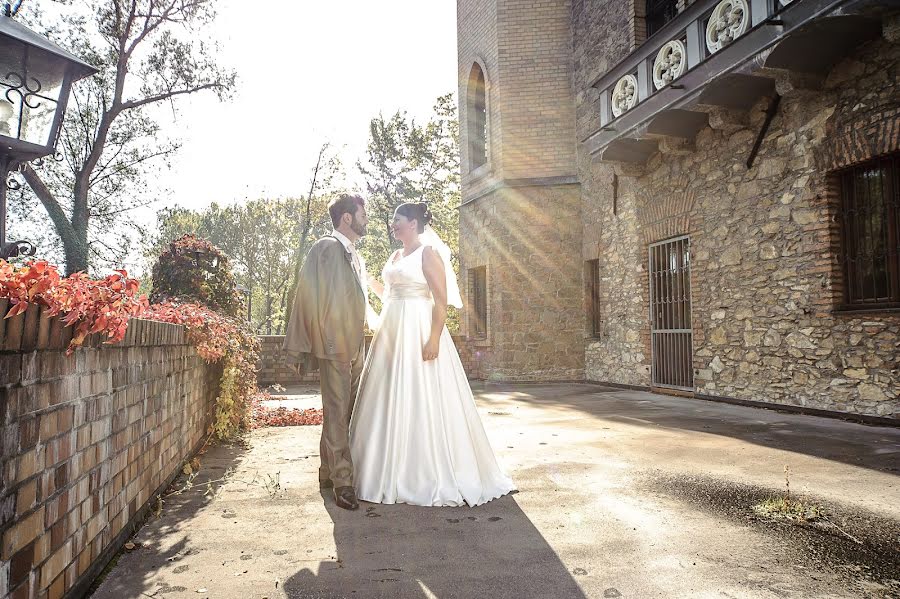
709 40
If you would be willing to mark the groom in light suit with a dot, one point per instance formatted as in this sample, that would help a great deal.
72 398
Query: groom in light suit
326 331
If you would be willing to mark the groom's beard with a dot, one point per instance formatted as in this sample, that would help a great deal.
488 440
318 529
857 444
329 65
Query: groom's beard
358 228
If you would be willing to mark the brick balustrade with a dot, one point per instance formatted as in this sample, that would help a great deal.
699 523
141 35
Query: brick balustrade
88 442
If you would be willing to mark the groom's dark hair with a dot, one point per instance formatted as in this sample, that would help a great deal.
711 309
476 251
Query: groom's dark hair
346 204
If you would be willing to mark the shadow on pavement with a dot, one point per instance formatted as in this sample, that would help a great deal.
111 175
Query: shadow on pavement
400 551
866 446
165 540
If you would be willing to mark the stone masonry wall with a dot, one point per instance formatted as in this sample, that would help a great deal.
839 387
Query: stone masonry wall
602 37
88 440
529 240
766 282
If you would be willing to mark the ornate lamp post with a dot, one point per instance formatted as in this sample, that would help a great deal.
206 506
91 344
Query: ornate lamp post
36 76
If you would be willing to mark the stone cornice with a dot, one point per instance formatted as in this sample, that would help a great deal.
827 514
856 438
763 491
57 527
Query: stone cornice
523 182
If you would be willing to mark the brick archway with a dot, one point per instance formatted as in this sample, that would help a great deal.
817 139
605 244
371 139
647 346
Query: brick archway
667 217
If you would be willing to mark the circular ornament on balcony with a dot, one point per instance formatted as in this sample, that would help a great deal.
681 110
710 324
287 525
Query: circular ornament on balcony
670 64
624 95
729 20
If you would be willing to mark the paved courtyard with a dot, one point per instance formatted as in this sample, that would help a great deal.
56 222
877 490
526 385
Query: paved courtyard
622 494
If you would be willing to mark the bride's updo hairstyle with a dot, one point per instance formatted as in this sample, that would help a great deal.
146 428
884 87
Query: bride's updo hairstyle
418 212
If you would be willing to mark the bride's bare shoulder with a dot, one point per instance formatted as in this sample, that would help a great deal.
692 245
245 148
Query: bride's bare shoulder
431 259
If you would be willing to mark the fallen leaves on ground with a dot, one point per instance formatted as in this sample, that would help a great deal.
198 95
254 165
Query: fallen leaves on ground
263 416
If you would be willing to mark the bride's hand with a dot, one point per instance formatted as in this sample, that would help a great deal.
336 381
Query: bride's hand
430 351
378 287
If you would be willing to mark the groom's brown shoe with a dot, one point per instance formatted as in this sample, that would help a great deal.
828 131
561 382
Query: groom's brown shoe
345 497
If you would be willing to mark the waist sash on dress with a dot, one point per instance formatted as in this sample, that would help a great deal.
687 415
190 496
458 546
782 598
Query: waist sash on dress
409 291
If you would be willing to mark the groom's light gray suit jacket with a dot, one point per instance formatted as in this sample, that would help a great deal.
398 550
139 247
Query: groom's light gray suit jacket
329 312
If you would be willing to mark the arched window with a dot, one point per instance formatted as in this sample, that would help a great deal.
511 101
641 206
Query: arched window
477 118
659 12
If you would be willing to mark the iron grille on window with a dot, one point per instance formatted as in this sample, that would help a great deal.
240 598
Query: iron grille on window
870 201
478 286
477 118
659 12
592 278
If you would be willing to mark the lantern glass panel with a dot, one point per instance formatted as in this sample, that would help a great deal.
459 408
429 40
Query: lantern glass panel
30 84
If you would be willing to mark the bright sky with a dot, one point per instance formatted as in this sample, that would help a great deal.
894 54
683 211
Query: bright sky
309 72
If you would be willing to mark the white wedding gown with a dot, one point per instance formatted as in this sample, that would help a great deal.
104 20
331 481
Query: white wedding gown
415 435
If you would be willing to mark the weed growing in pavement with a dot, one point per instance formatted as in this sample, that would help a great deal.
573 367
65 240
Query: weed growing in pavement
797 511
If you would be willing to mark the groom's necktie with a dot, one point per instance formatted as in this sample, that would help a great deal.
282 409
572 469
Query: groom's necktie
354 262
357 267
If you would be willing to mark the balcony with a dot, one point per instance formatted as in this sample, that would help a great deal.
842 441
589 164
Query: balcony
714 61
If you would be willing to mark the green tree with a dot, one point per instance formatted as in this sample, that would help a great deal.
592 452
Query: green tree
262 238
148 52
409 162
325 181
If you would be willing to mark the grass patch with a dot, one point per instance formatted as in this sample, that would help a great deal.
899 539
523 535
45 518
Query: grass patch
793 510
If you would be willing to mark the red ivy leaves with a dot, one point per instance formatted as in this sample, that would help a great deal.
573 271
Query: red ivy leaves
91 306
21 286
105 305
97 306
210 332
262 416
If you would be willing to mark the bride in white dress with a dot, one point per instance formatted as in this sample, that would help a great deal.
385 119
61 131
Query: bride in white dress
415 434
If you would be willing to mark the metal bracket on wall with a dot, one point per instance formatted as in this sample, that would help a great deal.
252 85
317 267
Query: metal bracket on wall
770 114
615 189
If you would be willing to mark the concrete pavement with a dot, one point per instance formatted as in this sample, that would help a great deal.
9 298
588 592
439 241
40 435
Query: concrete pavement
622 494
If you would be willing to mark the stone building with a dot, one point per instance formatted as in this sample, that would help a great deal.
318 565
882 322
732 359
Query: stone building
702 198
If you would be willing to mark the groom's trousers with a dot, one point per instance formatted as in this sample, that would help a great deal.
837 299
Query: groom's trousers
340 383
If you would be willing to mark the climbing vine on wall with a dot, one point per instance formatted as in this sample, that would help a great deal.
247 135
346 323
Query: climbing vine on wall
105 306
192 270
220 338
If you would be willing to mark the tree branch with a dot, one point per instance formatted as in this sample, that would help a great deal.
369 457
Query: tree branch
56 212
170 94
149 28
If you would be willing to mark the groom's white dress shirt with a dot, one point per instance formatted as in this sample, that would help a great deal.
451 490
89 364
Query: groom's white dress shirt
362 276
359 265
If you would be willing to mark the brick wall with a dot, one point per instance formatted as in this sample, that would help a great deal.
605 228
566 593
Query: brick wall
534 88
520 218
529 238
88 440
525 50
274 368
478 18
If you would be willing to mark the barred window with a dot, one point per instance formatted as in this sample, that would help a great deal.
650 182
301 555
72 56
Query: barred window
659 12
477 117
478 289
592 296
870 218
